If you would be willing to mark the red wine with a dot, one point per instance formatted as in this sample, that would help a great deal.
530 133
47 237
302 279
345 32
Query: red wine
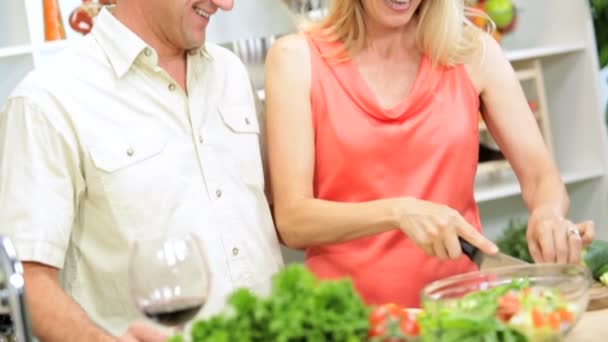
174 313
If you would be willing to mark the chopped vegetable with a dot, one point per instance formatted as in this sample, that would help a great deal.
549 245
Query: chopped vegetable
596 258
390 322
510 312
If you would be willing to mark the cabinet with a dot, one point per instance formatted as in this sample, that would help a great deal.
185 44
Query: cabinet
552 49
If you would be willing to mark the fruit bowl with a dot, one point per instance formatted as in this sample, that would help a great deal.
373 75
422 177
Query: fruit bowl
541 302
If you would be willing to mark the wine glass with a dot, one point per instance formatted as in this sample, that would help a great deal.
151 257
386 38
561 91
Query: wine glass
169 279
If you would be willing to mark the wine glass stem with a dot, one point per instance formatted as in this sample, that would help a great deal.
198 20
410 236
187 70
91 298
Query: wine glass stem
180 330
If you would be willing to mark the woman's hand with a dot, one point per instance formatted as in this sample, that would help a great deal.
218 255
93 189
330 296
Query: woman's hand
139 332
435 228
552 238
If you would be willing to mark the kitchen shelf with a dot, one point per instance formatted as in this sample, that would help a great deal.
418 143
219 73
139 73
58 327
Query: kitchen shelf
544 51
525 74
489 168
509 186
15 51
53 46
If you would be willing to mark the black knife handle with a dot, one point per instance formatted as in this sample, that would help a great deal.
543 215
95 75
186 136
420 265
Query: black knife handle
468 249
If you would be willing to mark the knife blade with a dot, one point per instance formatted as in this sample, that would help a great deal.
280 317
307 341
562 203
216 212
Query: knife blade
485 261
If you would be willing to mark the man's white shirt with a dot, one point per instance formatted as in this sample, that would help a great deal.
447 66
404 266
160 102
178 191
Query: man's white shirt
103 148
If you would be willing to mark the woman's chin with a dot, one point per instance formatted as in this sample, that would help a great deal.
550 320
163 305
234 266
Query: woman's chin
396 23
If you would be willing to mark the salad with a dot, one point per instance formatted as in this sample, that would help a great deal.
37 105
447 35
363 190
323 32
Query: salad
302 308
510 312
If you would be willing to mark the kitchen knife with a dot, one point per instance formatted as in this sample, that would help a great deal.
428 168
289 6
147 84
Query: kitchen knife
484 261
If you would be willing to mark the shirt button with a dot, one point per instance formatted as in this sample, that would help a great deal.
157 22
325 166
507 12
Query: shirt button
171 87
247 121
147 52
218 193
235 251
130 152
200 139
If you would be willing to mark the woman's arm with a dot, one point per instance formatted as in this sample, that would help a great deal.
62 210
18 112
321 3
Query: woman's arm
514 127
303 220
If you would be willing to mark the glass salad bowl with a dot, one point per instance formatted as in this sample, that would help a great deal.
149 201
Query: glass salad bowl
540 302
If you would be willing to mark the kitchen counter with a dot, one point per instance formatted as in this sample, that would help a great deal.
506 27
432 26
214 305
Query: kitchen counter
592 327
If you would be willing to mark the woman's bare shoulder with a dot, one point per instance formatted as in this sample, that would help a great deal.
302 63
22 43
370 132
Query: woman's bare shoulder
288 61
481 64
288 66
293 47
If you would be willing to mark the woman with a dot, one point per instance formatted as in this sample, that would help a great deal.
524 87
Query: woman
373 146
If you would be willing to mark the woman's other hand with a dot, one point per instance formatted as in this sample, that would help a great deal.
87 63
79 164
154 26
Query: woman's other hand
554 239
436 228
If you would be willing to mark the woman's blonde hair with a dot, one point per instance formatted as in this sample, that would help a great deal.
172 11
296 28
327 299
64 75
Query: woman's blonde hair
444 32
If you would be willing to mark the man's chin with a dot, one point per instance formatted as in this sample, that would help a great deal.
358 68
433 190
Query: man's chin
194 45
196 40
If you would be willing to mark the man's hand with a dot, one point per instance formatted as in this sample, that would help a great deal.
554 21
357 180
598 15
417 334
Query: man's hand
139 332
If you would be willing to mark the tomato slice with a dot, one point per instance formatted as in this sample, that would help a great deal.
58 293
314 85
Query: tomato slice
381 317
390 322
377 330
377 316
393 309
508 306
409 325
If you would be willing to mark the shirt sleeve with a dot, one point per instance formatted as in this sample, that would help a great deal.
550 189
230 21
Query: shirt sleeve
40 181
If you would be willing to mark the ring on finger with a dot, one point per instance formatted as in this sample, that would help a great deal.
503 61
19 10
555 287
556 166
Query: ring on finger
573 230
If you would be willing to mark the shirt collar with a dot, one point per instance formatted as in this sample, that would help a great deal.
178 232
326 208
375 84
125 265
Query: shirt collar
202 51
123 46
120 44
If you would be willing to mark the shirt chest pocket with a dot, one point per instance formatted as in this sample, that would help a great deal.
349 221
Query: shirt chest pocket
130 172
114 154
241 136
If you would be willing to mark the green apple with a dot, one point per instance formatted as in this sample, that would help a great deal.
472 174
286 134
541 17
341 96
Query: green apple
500 11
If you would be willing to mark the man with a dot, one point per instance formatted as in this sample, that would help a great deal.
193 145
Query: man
139 129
